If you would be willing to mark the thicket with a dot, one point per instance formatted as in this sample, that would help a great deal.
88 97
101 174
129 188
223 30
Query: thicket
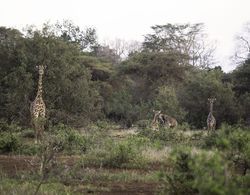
68 139
83 82
202 173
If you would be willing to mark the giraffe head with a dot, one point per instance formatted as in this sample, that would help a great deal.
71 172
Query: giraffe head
211 100
157 112
41 69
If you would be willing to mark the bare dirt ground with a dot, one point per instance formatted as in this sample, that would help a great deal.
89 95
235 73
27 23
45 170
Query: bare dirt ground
12 165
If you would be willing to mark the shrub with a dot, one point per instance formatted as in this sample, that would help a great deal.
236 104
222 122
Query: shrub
234 142
9 142
120 155
180 180
143 123
72 140
28 133
163 134
184 127
116 155
209 174
4 126
29 149
104 125
202 173
213 176
123 155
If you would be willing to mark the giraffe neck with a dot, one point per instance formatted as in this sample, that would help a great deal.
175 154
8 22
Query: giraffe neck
154 120
40 86
211 108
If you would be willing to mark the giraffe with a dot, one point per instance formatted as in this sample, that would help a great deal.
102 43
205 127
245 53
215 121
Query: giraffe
211 122
155 122
37 108
164 119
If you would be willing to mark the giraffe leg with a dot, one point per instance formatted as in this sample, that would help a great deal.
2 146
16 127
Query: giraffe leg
36 133
39 135
41 131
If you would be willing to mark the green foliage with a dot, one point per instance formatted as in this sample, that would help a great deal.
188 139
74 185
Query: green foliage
180 181
143 124
12 186
208 84
68 31
244 105
5 127
121 107
136 90
9 142
29 149
241 78
201 173
166 101
28 133
100 70
120 155
13 68
69 94
209 172
164 135
186 42
235 144
72 142
155 68
68 139
124 154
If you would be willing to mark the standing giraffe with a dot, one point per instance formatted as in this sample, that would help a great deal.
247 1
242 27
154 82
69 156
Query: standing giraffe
37 107
211 122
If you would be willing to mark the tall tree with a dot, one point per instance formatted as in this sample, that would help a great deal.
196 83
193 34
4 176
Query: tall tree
70 95
86 39
186 39
242 52
15 80
202 85
123 48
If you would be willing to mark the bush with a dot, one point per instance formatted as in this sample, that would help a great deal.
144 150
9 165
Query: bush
117 155
228 137
120 155
164 135
123 155
143 123
202 173
235 143
72 140
180 180
102 125
28 133
4 126
9 142
166 100
184 127
29 149
213 176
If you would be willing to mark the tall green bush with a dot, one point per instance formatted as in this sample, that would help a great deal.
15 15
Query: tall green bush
9 142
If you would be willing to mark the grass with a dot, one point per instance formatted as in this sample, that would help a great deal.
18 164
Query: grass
103 158
13 186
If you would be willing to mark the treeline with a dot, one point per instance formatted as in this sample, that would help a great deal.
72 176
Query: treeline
85 81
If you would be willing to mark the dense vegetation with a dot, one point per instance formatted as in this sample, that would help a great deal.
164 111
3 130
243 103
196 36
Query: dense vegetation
85 81
91 91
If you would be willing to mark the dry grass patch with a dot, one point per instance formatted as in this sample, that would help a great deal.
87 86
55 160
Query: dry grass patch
155 155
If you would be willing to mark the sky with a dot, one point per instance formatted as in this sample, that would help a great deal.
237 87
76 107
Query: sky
131 19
